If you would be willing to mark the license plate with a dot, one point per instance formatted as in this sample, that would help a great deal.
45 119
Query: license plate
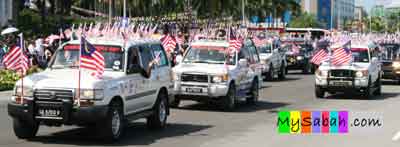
340 83
49 112
194 90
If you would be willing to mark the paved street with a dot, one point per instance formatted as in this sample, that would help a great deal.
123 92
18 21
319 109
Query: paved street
200 125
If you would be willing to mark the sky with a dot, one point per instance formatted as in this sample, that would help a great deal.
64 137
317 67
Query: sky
368 4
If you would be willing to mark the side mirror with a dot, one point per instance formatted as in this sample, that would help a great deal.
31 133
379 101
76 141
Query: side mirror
243 62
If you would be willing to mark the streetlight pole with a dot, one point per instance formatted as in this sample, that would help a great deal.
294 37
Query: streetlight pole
243 15
124 9
109 11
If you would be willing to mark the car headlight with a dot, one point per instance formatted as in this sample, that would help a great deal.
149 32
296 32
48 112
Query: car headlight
174 76
299 57
321 73
220 78
396 64
362 73
92 94
25 91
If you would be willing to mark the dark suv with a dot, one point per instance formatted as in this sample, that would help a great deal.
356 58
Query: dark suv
300 59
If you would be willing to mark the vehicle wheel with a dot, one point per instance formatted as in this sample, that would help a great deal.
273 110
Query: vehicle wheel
270 75
160 113
175 103
254 93
367 92
282 72
319 92
24 129
378 90
228 102
113 127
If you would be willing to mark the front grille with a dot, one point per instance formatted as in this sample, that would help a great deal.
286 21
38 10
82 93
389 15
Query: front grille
342 73
53 94
194 78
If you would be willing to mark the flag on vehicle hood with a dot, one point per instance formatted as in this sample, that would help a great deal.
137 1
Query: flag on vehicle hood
91 59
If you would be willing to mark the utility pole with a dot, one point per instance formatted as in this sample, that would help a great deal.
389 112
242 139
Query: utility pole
243 14
110 11
124 9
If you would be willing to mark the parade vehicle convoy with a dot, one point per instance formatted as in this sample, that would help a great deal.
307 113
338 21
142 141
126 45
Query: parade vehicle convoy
208 73
273 61
390 60
363 75
125 92
298 56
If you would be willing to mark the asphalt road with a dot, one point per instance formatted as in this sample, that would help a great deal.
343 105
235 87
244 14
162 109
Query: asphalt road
201 125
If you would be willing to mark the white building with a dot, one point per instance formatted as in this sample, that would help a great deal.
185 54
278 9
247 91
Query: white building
5 11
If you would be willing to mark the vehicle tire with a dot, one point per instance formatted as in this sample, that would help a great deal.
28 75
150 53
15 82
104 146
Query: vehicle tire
270 74
282 72
175 103
113 127
367 92
319 92
158 119
378 90
24 129
229 101
254 93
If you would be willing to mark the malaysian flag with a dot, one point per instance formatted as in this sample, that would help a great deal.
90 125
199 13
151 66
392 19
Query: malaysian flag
234 43
319 57
15 59
168 43
341 56
91 59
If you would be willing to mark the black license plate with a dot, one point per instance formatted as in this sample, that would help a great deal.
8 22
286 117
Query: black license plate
49 112
340 83
194 90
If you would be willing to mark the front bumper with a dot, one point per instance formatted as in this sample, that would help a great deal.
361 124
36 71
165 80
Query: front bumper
69 115
354 84
213 90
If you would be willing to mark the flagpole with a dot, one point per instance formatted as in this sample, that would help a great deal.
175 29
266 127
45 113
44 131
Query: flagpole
21 41
79 75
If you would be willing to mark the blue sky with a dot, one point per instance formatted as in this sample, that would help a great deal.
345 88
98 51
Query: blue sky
368 4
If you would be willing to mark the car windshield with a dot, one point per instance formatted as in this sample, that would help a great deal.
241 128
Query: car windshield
266 49
360 55
208 55
390 52
305 47
68 57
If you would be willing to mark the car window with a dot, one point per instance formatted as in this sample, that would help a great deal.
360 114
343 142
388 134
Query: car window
254 54
159 52
146 55
245 54
133 57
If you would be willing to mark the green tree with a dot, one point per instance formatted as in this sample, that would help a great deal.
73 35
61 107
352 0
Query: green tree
305 20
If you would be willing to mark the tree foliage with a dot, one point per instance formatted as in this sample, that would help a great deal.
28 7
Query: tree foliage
305 20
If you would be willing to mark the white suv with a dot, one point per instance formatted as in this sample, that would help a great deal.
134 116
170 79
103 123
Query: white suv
363 75
126 92
208 73
273 61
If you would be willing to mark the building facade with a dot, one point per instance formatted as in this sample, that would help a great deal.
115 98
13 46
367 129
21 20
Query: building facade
5 11
330 13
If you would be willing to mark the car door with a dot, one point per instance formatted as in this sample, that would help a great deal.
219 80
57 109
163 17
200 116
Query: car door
243 71
132 84
162 70
149 84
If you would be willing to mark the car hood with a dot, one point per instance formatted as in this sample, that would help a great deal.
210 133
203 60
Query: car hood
353 66
202 68
66 78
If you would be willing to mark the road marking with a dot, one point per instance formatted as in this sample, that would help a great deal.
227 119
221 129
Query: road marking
396 136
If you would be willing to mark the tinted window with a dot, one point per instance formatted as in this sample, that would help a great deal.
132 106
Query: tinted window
133 57
254 54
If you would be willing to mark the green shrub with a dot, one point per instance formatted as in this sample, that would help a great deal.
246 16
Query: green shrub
8 77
